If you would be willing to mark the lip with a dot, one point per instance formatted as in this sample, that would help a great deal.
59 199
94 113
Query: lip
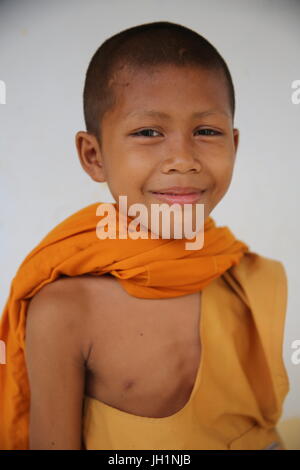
179 198
179 190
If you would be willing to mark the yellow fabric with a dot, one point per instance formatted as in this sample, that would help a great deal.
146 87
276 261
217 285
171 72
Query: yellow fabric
146 268
241 382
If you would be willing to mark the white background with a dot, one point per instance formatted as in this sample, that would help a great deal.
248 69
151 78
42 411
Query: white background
45 48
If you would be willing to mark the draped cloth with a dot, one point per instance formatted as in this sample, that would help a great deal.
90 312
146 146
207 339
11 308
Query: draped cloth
146 268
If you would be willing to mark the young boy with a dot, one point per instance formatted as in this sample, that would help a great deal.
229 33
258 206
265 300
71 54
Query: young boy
140 343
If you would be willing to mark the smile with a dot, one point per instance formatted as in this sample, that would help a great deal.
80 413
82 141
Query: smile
179 198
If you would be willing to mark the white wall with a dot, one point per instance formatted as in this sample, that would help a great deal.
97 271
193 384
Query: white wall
45 48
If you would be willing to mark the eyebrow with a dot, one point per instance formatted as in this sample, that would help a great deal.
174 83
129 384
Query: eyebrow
162 115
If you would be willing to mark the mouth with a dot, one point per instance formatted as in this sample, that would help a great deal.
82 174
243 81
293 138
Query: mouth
172 198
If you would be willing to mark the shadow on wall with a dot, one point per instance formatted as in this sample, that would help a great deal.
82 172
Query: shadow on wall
289 429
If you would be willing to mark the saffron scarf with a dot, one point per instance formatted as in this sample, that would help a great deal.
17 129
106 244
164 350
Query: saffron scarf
146 268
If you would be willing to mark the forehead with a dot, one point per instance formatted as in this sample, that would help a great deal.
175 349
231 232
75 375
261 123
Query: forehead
168 88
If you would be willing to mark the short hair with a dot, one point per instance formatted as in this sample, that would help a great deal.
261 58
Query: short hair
143 46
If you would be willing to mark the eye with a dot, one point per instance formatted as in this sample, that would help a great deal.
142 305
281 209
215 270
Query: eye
140 133
207 131
143 132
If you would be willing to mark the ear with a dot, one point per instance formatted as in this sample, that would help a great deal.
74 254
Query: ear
90 155
236 139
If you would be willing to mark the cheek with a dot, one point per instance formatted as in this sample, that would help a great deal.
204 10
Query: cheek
222 172
126 179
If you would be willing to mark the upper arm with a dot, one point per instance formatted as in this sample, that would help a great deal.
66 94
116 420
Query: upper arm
56 368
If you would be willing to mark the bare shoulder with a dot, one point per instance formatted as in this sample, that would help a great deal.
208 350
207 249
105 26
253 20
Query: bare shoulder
56 349
64 302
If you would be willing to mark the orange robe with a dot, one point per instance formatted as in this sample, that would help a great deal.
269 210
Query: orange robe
146 268
241 381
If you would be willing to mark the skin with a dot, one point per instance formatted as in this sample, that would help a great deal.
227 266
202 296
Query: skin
176 155
176 151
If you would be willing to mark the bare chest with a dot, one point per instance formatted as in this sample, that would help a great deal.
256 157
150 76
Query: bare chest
145 353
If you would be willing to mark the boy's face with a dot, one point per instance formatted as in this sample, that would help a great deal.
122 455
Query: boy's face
141 153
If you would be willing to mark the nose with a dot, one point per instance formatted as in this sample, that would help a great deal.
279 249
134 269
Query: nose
181 156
